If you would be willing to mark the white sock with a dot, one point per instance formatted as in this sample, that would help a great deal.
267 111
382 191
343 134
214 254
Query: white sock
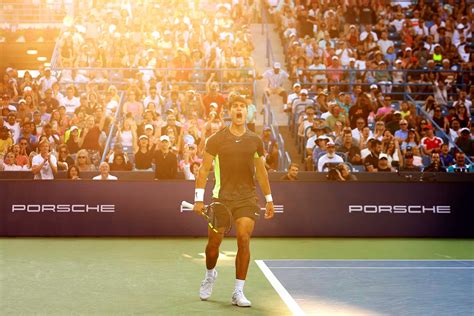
210 273
239 285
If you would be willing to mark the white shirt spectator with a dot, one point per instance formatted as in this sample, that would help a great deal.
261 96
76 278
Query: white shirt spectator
398 24
364 35
421 30
70 104
46 173
325 159
46 83
356 134
318 76
15 130
109 177
384 45
275 80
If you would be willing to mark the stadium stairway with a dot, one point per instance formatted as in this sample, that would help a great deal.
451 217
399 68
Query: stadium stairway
262 63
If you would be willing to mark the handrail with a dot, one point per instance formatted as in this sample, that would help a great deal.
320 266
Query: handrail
439 128
112 126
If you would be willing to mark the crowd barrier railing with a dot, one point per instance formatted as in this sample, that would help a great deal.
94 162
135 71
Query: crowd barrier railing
113 126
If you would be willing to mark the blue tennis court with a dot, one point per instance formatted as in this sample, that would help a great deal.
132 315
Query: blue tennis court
373 287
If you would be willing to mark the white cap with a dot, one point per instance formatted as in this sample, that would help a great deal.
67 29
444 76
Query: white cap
352 26
21 101
398 61
213 105
373 86
143 136
464 129
9 69
147 126
381 62
335 57
47 68
460 26
12 108
73 128
382 155
277 65
331 142
352 59
27 88
408 49
296 84
304 91
164 138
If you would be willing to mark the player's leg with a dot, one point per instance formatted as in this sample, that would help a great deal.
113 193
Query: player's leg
212 248
244 229
212 254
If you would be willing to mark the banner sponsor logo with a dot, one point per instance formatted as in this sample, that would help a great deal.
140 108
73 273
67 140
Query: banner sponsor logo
63 208
400 209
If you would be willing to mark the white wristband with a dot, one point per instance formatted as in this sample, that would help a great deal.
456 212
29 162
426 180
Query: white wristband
268 198
199 195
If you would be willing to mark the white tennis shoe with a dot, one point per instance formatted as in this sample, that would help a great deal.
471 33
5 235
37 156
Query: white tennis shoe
207 284
239 299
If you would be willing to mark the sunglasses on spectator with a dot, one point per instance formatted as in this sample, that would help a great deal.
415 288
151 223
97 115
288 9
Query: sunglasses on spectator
82 157
403 124
23 143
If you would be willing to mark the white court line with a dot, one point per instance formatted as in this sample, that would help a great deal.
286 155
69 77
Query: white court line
424 260
381 268
280 289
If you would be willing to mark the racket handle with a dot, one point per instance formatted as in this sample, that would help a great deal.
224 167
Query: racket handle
187 205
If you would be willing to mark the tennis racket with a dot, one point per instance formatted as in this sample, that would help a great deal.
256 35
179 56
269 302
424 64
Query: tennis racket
216 214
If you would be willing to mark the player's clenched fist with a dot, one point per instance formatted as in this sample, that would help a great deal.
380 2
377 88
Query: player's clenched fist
198 207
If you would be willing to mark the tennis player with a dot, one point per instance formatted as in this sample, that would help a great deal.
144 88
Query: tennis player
238 155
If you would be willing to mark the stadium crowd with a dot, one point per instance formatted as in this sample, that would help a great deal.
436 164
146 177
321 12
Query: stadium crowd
348 62
61 120
351 64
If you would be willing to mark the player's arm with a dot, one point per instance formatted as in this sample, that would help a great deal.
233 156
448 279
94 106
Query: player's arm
262 178
201 181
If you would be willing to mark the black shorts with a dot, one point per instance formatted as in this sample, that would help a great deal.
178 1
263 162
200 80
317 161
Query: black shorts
242 208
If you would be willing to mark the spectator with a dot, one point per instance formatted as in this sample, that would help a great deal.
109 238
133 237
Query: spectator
83 161
144 155
73 173
21 155
64 160
460 166
373 157
352 151
465 142
402 133
119 164
270 148
6 140
408 163
104 172
430 142
292 174
166 162
44 165
329 158
435 165
276 78
445 156
70 101
341 172
9 164
383 163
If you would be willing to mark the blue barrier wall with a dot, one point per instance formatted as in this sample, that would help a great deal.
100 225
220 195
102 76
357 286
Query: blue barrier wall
135 208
